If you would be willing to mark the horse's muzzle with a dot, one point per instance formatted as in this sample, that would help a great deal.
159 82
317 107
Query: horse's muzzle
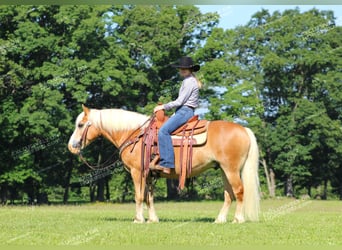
76 144
74 147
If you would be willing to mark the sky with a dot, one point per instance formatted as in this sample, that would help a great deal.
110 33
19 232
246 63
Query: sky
234 15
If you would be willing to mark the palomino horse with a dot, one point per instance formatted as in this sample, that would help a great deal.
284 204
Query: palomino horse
231 145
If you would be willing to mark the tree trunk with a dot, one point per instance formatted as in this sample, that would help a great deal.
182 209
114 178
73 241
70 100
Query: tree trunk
325 190
126 184
309 189
269 178
107 189
125 191
3 194
172 188
289 187
101 181
92 188
31 191
42 198
191 193
263 162
338 174
100 189
67 183
273 186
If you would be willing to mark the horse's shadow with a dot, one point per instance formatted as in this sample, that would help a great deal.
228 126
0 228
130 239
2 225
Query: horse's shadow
200 219
114 219
161 220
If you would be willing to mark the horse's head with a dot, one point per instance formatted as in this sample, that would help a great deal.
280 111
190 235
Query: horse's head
85 131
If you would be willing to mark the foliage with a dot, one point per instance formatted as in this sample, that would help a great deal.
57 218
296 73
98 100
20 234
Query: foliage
54 58
280 75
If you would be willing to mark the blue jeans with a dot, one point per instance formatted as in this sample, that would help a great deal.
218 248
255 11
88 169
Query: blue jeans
167 155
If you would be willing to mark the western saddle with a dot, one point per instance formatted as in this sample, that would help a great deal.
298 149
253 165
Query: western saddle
193 132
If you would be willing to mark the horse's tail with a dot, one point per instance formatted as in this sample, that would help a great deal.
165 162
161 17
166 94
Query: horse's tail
250 178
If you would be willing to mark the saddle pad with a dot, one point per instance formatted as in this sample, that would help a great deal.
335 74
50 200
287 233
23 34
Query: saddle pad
199 139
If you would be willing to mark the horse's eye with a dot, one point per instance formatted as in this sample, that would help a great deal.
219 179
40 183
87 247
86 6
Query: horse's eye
80 125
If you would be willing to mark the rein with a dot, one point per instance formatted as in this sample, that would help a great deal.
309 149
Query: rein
129 141
82 143
122 147
105 165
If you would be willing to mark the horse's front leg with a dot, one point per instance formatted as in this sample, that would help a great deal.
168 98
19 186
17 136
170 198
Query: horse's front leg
139 186
153 218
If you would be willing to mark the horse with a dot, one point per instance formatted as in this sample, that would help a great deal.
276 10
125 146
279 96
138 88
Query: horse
231 145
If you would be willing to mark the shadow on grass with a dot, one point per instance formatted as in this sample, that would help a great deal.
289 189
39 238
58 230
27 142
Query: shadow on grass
119 219
201 220
162 220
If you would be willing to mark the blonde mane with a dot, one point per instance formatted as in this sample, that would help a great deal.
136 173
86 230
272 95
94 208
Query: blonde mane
117 119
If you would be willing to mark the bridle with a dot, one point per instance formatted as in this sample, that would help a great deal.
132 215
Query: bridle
121 148
84 135
81 144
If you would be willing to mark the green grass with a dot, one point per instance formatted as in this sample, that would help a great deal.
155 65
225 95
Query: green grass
283 222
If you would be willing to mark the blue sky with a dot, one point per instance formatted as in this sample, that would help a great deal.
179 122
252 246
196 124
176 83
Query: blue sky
234 15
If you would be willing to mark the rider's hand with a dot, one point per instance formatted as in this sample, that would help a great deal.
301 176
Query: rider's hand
157 108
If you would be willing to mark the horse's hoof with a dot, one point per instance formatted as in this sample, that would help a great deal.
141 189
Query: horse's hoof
153 221
138 221
220 221
238 220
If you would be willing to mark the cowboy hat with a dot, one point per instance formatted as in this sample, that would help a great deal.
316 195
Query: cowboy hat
187 63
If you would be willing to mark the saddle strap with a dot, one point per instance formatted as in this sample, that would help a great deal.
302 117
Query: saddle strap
146 149
186 150
191 141
144 155
182 161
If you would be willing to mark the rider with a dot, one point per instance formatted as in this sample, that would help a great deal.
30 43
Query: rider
185 105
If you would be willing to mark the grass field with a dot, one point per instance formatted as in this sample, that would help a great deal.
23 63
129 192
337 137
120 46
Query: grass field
283 222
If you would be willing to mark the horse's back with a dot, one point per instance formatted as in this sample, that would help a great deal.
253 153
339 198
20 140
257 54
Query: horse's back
227 139
224 130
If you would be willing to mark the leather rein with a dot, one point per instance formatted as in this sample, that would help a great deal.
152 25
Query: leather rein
129 141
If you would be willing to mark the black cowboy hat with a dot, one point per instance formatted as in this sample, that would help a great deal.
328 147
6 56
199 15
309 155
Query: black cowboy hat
186 63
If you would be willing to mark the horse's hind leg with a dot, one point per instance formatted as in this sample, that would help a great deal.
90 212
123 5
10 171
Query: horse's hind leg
228 196
233 178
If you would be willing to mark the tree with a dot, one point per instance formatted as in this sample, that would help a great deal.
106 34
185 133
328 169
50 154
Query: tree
269 75
53 58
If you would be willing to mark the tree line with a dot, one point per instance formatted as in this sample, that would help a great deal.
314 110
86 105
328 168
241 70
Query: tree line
280 75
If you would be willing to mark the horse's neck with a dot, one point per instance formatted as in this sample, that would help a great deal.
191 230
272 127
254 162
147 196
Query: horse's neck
117 125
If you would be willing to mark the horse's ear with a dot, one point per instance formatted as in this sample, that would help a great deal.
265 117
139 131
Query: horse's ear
85 110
